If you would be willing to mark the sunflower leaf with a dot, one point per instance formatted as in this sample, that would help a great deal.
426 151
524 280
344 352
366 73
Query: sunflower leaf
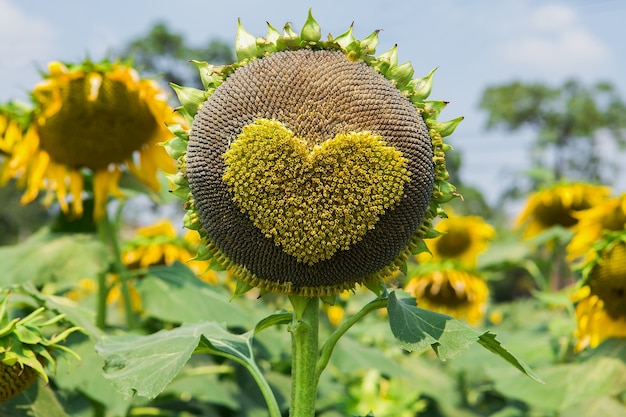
46 258
280 317
175 294
418 329
145 365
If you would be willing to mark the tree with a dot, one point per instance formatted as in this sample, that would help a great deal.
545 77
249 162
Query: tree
167 53
570 121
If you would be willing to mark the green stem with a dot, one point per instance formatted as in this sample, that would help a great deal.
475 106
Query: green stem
304 350
101 309
250 365
109 234
103 290
329 345
266 391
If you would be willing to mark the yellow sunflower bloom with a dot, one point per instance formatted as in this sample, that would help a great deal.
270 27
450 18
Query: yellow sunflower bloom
463 239
311 165
608 215
91 118
557 205
10 131
601 302
448 290
159 244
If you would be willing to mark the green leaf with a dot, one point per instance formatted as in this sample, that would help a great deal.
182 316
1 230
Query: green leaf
144 365
350 356
86 376
175 294
281 317
417 329
47 258
201 372
218 341
489 342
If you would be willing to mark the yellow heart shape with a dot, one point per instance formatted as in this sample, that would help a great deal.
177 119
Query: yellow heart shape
313 200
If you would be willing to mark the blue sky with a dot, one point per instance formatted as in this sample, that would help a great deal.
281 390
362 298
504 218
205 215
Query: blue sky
473 43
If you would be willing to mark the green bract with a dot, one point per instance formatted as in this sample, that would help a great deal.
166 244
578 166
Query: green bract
311 165
24 349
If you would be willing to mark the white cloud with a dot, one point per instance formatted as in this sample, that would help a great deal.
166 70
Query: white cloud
552 40
24 38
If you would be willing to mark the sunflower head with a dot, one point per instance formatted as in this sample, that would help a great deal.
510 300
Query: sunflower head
91 119
601 300
450 290
557 206
606 216
311 165
605 273
462 239
25 349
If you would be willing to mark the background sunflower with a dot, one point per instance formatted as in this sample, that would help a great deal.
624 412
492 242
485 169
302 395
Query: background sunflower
90 121
557 205
462 239
601 301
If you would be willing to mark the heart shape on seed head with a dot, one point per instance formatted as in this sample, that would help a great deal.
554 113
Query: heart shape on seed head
313 200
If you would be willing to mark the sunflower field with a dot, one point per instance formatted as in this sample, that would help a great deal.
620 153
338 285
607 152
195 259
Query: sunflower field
287 240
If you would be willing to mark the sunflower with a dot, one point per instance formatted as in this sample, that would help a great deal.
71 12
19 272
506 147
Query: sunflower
463 238
608 215
155 244
557 206
311 165
601 301
159 244
11 130
449 290
91 119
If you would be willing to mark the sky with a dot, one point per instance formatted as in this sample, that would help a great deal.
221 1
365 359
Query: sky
474 44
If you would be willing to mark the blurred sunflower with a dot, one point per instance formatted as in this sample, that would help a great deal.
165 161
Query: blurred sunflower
463 238
450 290
12 126
606 216
601 301
90 118
311 165
156 244
557 206
159 244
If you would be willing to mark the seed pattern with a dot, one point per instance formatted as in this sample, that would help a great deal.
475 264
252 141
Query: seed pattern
313 203
15 379
317 95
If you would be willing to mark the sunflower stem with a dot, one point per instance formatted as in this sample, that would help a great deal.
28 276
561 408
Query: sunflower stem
329 345
101 309
103 290
109 234
305 351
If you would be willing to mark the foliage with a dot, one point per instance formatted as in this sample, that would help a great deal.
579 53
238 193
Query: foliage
571 123
166 53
